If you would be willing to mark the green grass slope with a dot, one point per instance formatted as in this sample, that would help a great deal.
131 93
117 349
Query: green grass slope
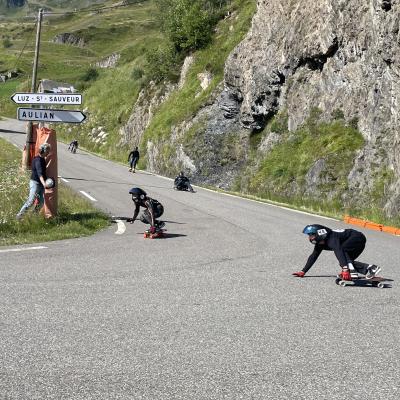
76 216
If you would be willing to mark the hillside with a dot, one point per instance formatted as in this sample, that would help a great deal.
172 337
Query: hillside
269 106
25 7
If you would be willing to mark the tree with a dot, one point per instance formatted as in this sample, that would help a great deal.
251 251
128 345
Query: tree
187 23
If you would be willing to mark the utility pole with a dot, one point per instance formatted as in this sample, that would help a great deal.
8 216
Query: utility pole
33 88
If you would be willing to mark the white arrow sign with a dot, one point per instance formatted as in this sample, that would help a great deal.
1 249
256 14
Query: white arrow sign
38 114
47 98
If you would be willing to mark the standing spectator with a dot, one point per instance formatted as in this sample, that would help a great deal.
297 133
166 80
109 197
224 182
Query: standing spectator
37 182
133 159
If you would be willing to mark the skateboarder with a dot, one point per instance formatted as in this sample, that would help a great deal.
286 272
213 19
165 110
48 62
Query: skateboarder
73 146
153 209
182 182
133 159
347 244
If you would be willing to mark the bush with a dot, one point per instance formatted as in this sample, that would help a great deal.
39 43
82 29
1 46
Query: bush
163 63
189 23
137 73
7 43
90 75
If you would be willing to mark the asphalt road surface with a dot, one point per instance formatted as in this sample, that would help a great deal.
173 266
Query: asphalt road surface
209 312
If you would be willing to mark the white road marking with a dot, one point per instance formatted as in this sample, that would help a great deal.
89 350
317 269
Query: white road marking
121 227
23 249
64 180
87 195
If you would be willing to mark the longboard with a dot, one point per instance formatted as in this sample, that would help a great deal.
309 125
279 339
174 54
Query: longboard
378 281
158 234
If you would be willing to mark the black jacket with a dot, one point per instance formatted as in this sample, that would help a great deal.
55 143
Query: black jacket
333 242
38 168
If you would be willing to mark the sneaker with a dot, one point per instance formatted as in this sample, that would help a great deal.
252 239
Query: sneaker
160 224
372 270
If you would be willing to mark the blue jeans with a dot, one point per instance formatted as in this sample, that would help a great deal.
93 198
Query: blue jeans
36 189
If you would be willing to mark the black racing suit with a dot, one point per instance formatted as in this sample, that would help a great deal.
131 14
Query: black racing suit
153 210
347 245
182 183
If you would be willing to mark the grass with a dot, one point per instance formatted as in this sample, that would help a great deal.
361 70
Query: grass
185 103
76 216
281 175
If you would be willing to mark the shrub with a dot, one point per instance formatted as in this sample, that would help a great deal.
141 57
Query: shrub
7 43
90 75
137 73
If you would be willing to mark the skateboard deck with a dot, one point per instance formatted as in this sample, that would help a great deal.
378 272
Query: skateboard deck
377 281
158 234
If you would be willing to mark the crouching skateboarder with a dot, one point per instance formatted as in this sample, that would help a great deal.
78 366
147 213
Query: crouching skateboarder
347 244
153 210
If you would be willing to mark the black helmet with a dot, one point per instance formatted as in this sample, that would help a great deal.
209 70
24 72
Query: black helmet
138 193
318 232
181 173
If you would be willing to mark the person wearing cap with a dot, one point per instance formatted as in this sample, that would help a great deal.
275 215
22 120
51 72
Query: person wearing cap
37 182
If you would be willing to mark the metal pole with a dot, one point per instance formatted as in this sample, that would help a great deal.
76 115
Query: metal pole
33 88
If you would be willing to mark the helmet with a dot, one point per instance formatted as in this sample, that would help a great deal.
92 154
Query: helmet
318 232
181 173
50 183
138 193
44 147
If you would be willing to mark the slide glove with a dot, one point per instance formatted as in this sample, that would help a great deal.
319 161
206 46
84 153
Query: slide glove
345 275
299 274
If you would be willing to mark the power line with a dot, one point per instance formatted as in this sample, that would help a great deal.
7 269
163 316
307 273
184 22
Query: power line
26 42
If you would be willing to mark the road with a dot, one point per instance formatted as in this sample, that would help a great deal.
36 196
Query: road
210 312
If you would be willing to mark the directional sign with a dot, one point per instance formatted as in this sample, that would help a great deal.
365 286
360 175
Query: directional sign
47 98
38 114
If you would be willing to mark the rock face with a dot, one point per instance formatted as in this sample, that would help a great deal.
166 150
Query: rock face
69 38
330 54
108 62
338 56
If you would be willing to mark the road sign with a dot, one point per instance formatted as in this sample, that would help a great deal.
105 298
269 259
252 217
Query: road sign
47 98
53 116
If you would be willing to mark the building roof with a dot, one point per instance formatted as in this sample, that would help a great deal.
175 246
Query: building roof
49 86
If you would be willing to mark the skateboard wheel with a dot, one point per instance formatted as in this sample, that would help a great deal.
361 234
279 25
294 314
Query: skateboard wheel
380 285
337 281
342 283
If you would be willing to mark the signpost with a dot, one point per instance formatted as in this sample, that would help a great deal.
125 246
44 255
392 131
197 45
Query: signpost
52 116
47 98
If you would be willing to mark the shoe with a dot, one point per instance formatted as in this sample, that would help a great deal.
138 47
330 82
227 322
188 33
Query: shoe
130 169
372 270
160 224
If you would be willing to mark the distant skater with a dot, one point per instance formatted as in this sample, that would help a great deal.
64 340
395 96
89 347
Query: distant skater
133 159
73 146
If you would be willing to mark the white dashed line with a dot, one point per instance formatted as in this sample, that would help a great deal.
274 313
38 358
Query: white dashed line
87 195
23 249
121 227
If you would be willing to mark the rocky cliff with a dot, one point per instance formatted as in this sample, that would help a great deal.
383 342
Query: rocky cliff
339 57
